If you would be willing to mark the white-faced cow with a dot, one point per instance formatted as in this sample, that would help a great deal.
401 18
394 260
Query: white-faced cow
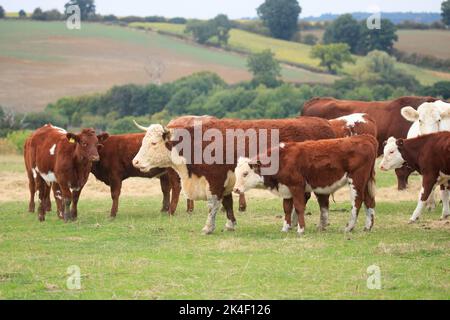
214 181
321 167
430 117
58 157
430 156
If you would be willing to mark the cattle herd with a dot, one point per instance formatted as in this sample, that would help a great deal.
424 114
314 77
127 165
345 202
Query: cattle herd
332 144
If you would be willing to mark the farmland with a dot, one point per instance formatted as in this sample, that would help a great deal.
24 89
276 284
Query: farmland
44 61
293 52
144 254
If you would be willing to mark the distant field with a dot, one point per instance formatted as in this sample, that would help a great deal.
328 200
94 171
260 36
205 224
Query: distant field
44 61
296 52
427 42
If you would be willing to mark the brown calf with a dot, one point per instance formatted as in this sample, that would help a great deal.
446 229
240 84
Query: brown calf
430 156
58 157
321 167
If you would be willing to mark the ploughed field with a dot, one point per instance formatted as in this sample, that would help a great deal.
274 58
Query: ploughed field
144 254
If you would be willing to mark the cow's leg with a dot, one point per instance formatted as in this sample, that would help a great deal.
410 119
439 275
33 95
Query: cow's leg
48 202
288 208
32 187
445 202
75 198
402 177
324 204
227 203
369 206
115 187
44 189
58 199
428 184
294 214
66 200
356 198
175 185
190 205
165 188
298 195
242 202
213 207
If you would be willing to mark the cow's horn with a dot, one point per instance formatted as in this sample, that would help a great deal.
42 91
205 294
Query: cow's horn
139 126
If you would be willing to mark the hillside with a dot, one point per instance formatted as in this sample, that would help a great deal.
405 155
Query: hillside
297 53
44 61
395 17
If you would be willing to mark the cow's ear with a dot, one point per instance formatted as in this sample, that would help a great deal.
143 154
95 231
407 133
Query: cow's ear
103 137
166 135
399 142
410 114
72 137
384 143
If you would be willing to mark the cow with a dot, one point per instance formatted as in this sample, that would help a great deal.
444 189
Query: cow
321 167
430 156
429 117
354 124
214 181
63 158
386 115
115 165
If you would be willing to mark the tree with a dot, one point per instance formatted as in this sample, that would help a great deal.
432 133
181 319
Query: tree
377 39
445 7
87 7
222 26
203 31
2 12
332 56
38 14
344 29
310 39
265 68
200 30
281 17
22 14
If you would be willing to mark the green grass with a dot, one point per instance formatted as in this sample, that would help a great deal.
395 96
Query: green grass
298 53
144 254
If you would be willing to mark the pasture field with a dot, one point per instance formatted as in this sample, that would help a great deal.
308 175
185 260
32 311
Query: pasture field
44 61
144 254
298 53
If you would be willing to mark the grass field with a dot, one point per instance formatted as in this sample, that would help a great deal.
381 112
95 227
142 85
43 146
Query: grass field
298 53
40 59
144 254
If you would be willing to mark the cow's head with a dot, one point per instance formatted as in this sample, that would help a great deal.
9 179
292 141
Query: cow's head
87 143
154 151
248 175
392 158
429 115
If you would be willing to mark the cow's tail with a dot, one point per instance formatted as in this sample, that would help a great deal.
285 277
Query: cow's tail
371 186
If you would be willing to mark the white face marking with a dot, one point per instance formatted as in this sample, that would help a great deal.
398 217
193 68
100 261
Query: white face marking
430 117
392 158
246 178
352 119
52 150
153 152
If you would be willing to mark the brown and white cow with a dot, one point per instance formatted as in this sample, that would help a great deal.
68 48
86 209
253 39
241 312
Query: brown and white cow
386 115
56 156
353 125
321 167
115 165
430 156
214 181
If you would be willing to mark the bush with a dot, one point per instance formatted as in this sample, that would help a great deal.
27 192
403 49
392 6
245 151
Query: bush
38 119
310 39
177 20
6 147
17 138
2 12
125 125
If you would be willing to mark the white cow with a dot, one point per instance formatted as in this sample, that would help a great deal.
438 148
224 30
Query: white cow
429 117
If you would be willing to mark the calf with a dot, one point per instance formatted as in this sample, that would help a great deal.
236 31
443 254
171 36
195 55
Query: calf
321 167
214 181
430 156
56 156
353 125
115 165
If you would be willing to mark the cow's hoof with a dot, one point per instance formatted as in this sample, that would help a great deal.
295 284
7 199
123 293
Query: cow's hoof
41 218
286 228
242 209
321 228
445 217
349 228
230 226
411 221
208 229
367 229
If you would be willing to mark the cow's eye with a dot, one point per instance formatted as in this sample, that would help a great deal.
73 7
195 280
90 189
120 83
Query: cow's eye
245 174
154 143
391 152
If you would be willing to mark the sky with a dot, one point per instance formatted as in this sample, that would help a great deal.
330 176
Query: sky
233 8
